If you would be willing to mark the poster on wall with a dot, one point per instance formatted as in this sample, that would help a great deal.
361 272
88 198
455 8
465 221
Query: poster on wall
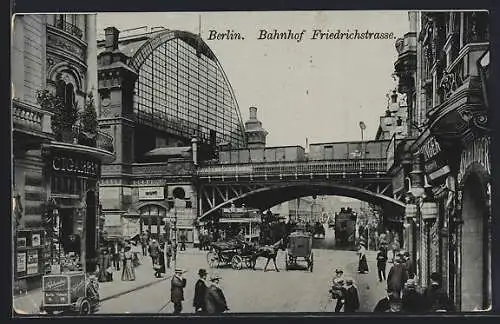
35 240
32 262
21 262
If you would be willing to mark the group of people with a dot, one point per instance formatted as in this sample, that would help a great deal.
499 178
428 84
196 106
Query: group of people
161 255
208 295
414 299
117 257
403 293
345 292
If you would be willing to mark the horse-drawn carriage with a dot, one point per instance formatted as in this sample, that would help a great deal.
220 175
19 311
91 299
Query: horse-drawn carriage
234 252
299 246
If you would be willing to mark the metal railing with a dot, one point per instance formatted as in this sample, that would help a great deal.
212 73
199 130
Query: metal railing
69 28
171 167
105 142
299 168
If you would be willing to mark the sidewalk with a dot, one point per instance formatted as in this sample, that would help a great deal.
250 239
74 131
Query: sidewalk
29 303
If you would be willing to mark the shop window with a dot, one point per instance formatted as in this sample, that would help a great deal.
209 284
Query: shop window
189 204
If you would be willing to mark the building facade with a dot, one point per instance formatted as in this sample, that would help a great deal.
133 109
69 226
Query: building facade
57 155
444 169
169 105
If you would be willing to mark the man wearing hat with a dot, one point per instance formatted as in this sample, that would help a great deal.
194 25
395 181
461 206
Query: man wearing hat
200 292
412 301
177 286
397 275
435 297
215 301
351 298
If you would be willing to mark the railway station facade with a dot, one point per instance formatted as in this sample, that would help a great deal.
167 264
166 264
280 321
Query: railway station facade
167 102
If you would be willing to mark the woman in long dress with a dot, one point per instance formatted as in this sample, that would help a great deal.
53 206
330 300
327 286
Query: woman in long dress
128 273
363 264
104 265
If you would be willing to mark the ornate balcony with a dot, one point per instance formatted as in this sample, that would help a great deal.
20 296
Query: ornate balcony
69 28
100 140
461 102
32 120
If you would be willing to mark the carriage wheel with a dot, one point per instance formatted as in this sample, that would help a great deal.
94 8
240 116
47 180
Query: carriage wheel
213 259
236 262
311 263
83 306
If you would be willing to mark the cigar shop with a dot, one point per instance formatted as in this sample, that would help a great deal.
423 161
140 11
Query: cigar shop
66 236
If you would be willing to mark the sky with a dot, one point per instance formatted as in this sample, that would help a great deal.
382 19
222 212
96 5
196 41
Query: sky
315 89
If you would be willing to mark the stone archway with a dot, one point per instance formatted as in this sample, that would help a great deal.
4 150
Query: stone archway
475 282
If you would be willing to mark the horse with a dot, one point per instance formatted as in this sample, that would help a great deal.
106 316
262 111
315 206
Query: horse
268 251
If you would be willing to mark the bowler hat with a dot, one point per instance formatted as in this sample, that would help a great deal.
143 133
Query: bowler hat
349 281
178 270
202 272
339 271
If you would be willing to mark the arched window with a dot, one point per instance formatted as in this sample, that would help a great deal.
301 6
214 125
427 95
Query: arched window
66 91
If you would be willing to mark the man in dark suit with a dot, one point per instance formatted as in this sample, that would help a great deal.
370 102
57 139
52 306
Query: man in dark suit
351 297
397 277
178 284
200 292
215 299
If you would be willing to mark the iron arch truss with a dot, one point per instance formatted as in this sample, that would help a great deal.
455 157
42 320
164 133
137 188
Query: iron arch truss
214 197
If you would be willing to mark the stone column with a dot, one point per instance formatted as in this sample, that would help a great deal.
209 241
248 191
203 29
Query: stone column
17 59
91 33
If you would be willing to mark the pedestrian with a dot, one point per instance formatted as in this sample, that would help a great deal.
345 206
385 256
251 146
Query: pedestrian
412 301
159 267
436 299
362 264
396 246
397 276
215 300
183 242
168 253
128 273
174 251
105 266
154 250
116 256
177 285
351 299
144 244
338 290
381 263
200 292
409 264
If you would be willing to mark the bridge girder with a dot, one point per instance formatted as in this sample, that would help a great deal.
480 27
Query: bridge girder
216 195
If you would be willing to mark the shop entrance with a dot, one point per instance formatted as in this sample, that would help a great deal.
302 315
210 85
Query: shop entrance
475 250
70 240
